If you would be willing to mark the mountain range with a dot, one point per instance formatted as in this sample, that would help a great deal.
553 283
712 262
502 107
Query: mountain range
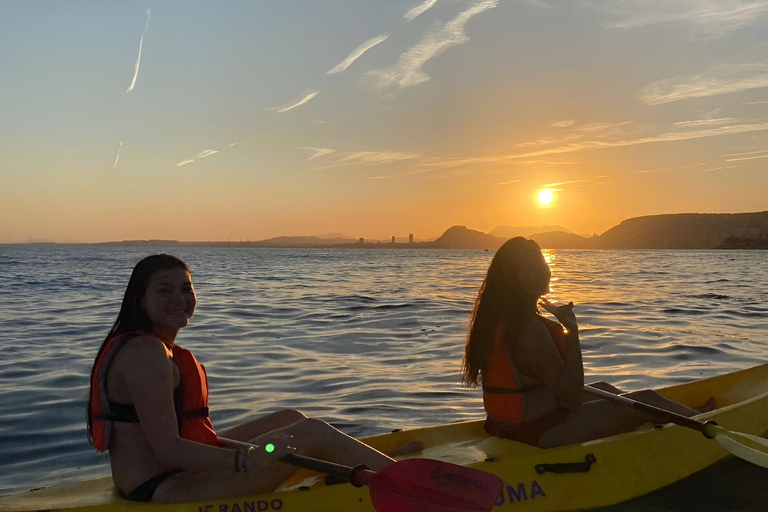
668 231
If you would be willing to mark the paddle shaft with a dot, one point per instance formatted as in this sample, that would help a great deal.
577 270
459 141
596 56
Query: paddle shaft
357 476
673 417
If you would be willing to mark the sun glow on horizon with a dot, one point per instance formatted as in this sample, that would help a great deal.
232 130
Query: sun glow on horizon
545 197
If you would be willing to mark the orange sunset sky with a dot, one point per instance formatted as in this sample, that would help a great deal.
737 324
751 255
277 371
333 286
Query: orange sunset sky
248 120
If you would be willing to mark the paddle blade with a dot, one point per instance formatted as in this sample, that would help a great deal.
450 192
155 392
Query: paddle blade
416 485
745 446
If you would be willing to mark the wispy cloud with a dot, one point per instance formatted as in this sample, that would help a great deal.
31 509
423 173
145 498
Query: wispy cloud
646 171
509 182
375 157
705 122
407 71
298 101
724 79
235 144
358 52
203 154
720 168
564 124
561 183
138 59
709 18
746 158
419 9
663 137
368 158
318 152
118 154
748 153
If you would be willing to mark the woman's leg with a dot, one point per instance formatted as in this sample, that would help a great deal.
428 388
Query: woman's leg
259 426
651 397
592 420
310 437
316 438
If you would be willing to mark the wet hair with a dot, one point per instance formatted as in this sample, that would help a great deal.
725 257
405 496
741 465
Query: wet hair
517 277
132 317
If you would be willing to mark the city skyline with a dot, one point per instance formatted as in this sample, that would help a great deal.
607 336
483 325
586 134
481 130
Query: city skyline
195 122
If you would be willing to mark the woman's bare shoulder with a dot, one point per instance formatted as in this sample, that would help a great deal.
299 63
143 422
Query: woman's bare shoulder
142 349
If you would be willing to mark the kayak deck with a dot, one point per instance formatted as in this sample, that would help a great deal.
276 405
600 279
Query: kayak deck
625 466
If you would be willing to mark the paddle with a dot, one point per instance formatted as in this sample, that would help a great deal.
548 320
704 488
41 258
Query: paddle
751 448
415 485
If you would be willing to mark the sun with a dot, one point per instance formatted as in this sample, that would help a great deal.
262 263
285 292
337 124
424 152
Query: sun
545 197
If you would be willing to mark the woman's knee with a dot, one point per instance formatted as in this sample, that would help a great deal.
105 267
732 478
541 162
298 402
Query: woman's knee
605 387
288 416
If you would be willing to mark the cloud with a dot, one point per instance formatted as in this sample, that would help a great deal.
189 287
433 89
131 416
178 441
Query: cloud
138 59
319 152
746 158
748 153
375 157
203 154
419 9
724 79
561 183
358 52
407 71
369 158
720 168
705 122
298 101
563 124
663 137
646 171
509 182
118 154
710 18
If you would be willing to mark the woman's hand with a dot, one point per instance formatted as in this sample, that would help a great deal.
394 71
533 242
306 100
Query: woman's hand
563 313
272 449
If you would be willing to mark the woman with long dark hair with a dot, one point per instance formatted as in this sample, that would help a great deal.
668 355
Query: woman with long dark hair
148 406
530 367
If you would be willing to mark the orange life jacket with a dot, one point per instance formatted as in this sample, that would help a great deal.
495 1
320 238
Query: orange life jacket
503 394
190 397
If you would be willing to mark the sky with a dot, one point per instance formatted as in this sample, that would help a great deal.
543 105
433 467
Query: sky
244 120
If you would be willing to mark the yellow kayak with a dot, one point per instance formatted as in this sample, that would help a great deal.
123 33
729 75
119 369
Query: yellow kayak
575 477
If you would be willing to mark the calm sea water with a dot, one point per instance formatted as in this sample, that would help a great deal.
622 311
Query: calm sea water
369 340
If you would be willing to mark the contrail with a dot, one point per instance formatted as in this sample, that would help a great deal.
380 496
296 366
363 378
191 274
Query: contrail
357 53
138 59
118 154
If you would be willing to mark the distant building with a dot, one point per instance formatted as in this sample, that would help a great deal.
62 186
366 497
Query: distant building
362 240
393 239
410 238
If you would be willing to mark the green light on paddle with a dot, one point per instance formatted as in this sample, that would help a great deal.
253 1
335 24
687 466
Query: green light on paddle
269 448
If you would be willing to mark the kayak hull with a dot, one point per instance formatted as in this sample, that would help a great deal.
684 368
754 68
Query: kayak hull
595 474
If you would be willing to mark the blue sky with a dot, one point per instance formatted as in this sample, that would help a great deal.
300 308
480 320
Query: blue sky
215 120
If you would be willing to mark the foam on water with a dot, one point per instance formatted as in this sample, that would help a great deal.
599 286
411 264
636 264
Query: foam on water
369 340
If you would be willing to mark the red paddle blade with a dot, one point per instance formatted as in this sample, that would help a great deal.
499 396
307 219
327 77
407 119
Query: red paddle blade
416 485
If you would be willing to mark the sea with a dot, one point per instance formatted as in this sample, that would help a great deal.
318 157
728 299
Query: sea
370 340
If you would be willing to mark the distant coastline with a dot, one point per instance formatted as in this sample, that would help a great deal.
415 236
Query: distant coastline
669 231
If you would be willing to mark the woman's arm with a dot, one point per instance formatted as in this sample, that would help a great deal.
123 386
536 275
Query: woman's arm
146 368
563 375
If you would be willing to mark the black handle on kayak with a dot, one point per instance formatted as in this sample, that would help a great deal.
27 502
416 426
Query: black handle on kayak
567 467
678 419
